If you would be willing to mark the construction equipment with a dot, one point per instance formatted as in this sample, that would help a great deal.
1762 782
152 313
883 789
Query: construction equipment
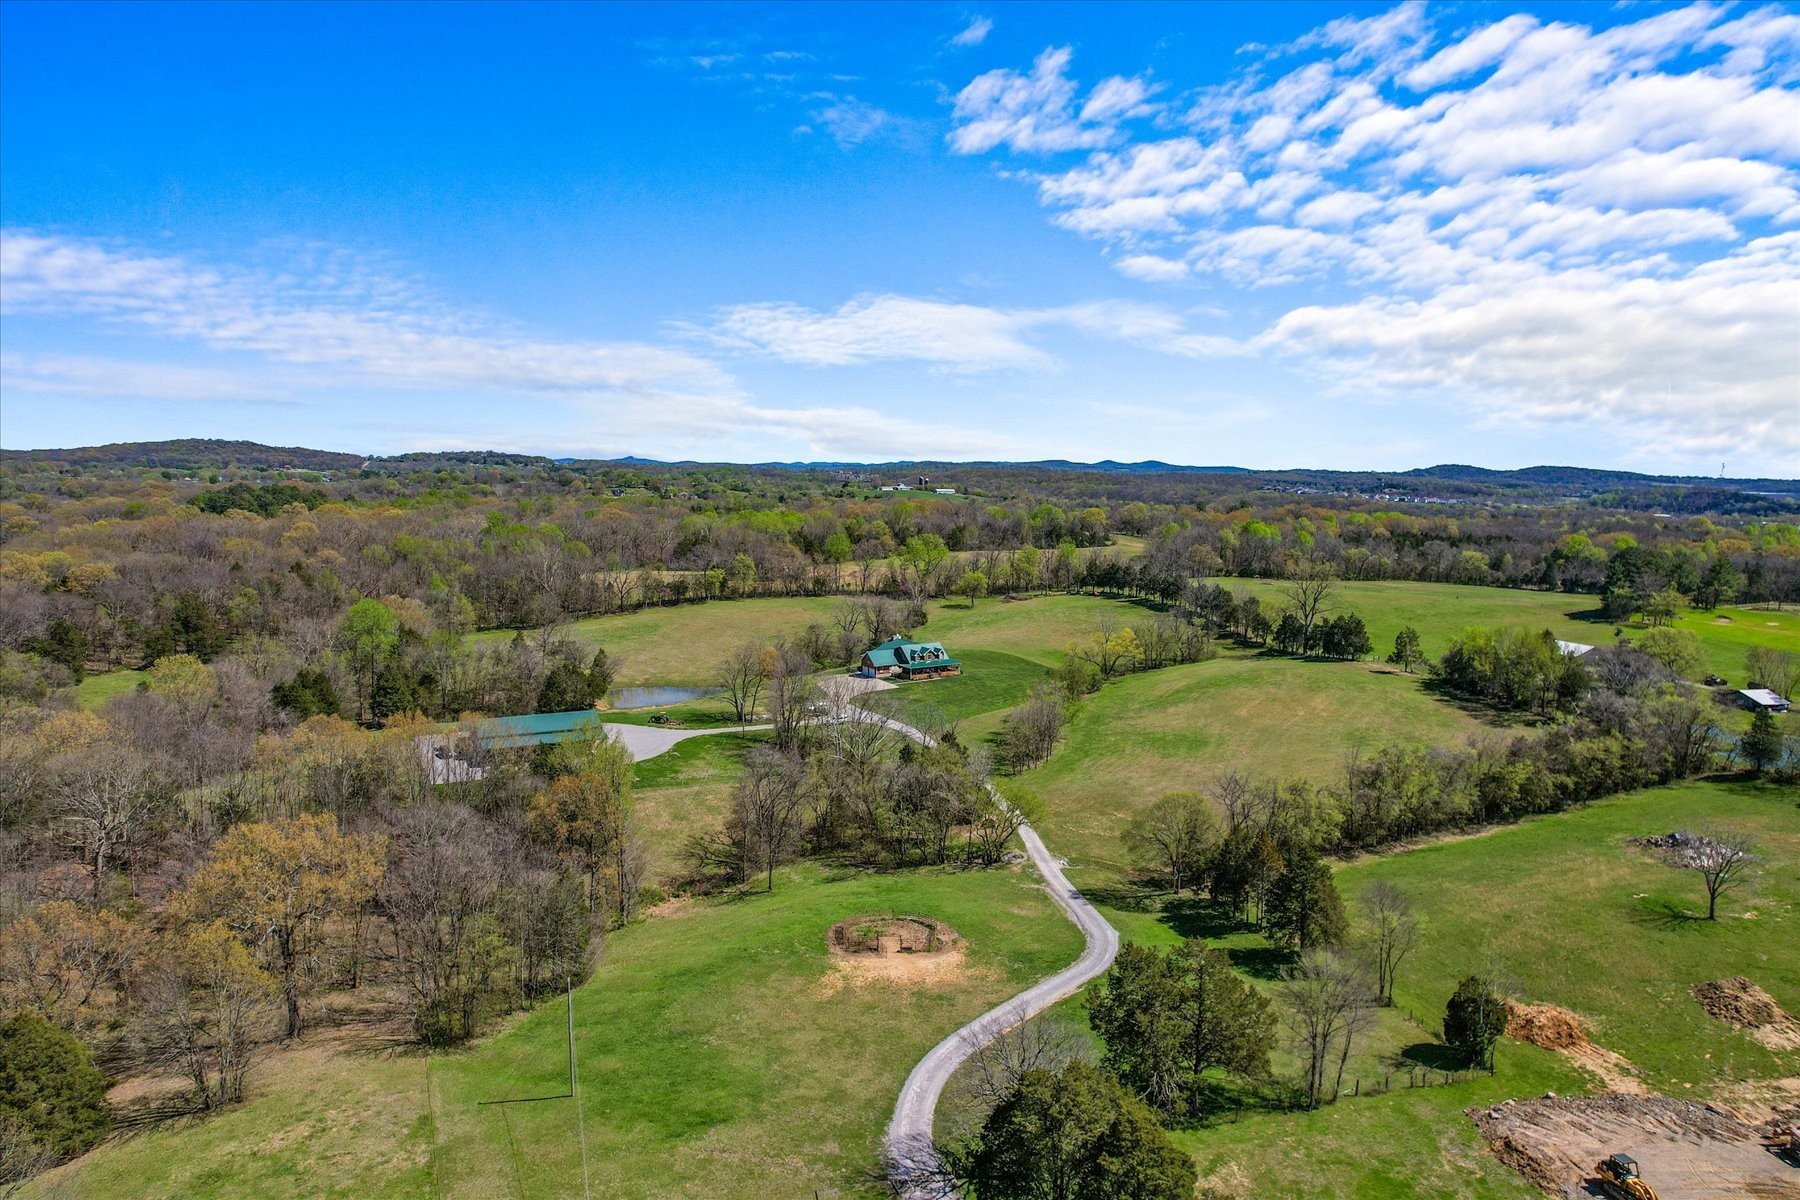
1619 1176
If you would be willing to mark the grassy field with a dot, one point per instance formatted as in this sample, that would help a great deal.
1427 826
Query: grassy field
992 681
1727 635
721 1055
1177 728
95 690
1567 912
683 644
686 789
1580 917
1441 610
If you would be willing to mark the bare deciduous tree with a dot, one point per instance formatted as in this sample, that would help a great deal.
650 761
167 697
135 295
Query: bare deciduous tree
1393 930
769 796
1721 856
742 677
1329 1002
1311 587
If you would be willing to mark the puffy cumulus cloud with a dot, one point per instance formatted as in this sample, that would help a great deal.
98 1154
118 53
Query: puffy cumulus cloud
1531 215
949 336
1036 111
1707 359
324 323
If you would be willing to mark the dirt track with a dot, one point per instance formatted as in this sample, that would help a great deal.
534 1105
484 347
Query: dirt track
1686 1150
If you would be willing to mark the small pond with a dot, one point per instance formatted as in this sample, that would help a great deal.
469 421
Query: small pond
654 697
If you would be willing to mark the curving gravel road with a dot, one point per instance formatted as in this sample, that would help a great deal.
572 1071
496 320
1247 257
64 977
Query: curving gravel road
913 1164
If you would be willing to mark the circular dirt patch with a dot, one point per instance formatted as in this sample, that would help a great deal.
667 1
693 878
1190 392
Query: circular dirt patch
887 937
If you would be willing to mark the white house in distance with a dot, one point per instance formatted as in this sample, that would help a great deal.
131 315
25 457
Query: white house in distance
1573 649
1762 699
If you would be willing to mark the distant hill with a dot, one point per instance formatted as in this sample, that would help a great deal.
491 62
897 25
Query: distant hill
194 454
1448 480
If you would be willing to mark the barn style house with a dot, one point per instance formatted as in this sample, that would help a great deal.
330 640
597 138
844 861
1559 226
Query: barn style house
898 658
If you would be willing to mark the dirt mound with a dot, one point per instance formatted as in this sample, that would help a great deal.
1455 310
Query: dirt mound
1739 1002
1696 1151
892 935
1560 1030
913 952
1544 1025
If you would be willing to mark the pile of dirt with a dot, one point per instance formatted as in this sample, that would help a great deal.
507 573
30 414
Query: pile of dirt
1740 1003
892 935
1560 1030
1544 1025
1697 1151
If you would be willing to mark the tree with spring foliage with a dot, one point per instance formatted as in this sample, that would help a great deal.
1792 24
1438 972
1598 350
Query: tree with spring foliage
275 884
1407 655
1177 833
586 818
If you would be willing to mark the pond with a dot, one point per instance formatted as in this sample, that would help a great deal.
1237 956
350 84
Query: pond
654 697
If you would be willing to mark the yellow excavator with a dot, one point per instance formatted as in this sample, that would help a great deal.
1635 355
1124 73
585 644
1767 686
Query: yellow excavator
1619 1176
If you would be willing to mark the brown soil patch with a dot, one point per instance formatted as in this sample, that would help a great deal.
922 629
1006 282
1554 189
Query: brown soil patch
899 951
1740 1003
889 936
1560 1030
1685 1149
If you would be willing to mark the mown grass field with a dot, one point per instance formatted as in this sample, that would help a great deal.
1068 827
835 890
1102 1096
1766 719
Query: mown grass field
1439 611
1580 917
684 644
95 690
1727 635
720 1057
1176 729
687 789
1567 912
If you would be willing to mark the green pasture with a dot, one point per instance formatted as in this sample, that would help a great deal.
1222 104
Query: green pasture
1176 729
721 1056
95 690
1574 914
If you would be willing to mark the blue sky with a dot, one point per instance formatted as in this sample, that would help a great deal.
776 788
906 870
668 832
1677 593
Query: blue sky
1341 235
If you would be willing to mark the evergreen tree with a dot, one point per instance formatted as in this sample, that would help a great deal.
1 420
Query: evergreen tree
1474 1020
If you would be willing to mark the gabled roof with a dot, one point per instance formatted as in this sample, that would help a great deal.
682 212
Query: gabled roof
1573 649
899 652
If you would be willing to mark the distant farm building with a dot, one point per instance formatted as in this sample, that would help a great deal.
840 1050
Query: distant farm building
1573 649
899 658
945 491
1762 699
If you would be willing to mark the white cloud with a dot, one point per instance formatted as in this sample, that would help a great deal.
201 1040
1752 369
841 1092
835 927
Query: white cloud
1037 112
1708 360
1522 217
324 323
852 122
949 336
1151 268
114 379
974 33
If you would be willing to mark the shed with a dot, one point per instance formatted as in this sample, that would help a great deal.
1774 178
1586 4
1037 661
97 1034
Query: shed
909 660
1573 649
1763 699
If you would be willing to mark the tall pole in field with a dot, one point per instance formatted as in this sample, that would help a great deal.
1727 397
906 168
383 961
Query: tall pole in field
587 1190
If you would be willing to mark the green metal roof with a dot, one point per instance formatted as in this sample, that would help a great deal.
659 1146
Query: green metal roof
910 656
532 729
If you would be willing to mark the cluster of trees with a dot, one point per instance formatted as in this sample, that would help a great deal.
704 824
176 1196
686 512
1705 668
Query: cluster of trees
188 876
848 784
141 566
